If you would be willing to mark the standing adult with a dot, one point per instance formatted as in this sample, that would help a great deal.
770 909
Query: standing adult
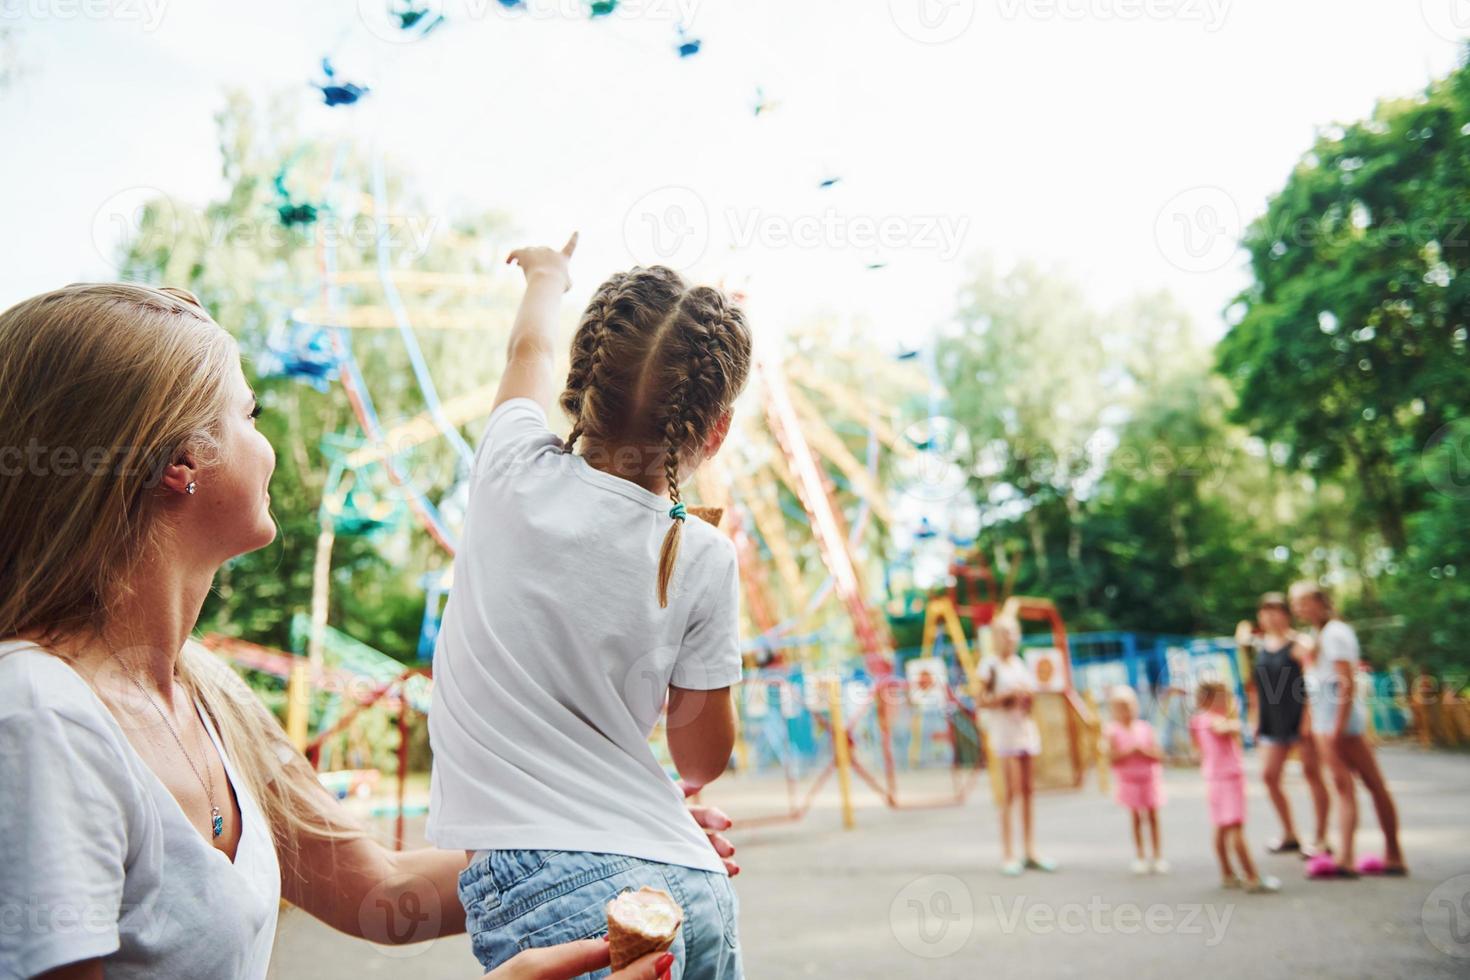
1014 741
1338 721
1278 700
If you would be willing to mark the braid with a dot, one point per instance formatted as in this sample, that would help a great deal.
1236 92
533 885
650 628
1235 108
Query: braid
587 355
675 431
656 364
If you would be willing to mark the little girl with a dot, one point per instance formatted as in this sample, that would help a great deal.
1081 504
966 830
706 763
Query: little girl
1138 773
583 600
1223 764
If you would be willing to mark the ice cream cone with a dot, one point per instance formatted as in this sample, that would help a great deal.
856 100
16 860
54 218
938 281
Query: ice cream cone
641 922
710 515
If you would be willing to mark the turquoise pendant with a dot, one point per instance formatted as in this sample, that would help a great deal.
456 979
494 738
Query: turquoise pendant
217 821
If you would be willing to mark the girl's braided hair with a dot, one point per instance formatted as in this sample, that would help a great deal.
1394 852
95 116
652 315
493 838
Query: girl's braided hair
657 362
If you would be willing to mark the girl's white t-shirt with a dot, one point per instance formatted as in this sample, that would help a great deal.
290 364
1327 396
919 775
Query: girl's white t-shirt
1012 731
96 857
554 658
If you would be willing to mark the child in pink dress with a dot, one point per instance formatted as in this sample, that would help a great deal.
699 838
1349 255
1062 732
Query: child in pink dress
1138 774
1223 764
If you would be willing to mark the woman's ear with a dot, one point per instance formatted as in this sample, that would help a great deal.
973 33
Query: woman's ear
180 476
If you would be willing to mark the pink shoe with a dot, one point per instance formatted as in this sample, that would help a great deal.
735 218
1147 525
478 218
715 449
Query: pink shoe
1325 866
1375 865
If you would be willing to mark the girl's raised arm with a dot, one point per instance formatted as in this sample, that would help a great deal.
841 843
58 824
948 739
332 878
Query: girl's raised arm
531 354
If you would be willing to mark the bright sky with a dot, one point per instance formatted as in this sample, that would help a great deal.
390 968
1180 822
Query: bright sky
1124 139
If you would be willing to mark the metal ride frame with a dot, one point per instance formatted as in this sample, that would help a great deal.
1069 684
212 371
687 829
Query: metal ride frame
816 494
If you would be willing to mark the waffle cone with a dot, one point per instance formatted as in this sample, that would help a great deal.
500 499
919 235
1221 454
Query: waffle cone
629 942
710 515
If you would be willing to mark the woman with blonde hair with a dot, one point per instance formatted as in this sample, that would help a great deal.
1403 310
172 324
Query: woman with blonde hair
152 812
1339 723
1013 740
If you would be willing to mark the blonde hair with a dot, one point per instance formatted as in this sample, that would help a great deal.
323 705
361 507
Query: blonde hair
1206 692
1123 694
1011 627
110 382
658 362
1308 587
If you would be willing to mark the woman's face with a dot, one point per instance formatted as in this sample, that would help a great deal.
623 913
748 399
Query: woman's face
1273 619
1309 608
233 496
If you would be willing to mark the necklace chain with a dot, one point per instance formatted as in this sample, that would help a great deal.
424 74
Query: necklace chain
216 822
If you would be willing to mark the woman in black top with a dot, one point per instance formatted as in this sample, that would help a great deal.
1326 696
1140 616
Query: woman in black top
1278 697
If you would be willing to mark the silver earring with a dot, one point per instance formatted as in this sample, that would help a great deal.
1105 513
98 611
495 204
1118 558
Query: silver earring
191 487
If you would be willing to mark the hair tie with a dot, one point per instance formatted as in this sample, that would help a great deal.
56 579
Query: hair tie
677 511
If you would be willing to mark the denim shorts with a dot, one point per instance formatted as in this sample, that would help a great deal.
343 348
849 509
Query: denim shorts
518 900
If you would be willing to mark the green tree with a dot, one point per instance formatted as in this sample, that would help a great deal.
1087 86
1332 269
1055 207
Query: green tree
1351 356
251 271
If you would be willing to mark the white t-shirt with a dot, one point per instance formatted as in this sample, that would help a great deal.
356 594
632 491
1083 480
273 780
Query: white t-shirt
96 857
554 658
1336 643
1012 731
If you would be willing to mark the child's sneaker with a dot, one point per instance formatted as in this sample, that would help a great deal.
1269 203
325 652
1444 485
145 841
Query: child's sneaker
1040 864
1012 869
1140 866
1160 866
1231 881
1264 885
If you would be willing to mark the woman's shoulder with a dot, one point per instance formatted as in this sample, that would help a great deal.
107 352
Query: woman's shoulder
35 683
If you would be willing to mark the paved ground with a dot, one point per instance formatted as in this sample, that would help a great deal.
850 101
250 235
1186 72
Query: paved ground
916 894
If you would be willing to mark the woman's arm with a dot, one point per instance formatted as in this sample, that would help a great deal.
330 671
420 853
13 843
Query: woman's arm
1342 671
530 363
575 959
360 887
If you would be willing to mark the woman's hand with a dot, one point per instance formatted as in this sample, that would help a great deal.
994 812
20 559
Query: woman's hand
541 261
1245 633
573 959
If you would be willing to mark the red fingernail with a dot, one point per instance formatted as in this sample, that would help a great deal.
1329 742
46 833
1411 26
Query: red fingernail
662 966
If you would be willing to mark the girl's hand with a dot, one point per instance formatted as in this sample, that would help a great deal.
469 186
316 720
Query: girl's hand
712 820
1245 633
573 959
541 261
